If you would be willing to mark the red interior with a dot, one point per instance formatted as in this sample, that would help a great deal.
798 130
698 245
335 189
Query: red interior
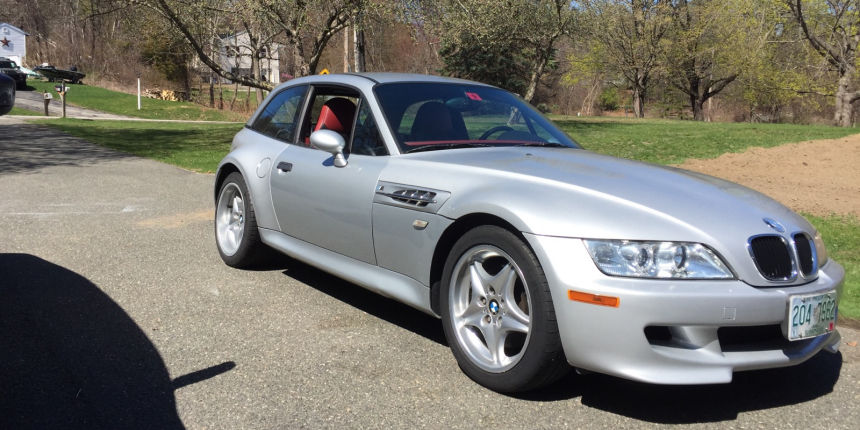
336 115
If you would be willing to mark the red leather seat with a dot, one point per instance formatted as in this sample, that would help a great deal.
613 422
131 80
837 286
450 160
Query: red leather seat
337 115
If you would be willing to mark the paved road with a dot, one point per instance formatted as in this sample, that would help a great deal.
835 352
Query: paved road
116 312
34 101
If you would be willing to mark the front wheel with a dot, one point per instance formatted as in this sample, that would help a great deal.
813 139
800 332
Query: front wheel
497 312
236 232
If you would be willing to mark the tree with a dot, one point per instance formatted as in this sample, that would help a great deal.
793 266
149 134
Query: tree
305 26
487 40
502 65
629 34
832 28
710 44
169 55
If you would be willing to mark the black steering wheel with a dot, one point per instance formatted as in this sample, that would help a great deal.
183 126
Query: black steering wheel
495 129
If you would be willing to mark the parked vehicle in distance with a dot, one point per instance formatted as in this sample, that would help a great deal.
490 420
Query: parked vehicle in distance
463 201
59 75
7 94
11 69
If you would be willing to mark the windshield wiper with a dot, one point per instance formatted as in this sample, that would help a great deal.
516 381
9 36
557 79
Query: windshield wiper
547 144
436 146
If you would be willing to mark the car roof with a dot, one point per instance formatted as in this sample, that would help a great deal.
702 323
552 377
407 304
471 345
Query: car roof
387 77
379 78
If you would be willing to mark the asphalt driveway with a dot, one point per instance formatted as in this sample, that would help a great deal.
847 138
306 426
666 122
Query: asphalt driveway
116 312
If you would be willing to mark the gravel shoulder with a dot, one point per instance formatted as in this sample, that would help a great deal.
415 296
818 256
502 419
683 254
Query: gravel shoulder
818 177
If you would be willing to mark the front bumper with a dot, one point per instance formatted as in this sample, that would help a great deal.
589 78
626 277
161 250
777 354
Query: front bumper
685 343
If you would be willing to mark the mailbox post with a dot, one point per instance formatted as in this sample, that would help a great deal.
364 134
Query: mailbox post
61 90
47 97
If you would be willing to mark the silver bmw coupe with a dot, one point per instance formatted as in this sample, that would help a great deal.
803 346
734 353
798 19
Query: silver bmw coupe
461 200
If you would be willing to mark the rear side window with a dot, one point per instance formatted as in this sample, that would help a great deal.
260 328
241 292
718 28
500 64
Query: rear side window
279 118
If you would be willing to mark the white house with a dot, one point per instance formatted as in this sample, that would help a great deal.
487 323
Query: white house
235 55
13 43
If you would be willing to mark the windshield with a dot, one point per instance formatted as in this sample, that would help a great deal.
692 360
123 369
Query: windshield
8 65
429 116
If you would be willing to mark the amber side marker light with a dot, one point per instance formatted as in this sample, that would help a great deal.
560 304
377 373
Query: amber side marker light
594 299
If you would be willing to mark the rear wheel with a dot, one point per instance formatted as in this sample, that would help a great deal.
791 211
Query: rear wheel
236 232
497 312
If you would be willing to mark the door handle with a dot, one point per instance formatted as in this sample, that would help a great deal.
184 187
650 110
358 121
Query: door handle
285 167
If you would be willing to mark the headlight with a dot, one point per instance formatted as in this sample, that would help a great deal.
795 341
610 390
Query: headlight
820 250
663 260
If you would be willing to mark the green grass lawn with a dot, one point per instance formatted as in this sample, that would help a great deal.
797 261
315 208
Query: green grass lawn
194 146
200 147
19 111
842 237
126 104
673 141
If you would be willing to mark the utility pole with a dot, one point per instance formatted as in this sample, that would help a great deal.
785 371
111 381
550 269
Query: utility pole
346 50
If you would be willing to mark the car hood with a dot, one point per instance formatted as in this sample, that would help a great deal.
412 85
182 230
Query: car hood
577 193
677 193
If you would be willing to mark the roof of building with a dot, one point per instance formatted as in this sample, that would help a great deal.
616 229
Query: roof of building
6 24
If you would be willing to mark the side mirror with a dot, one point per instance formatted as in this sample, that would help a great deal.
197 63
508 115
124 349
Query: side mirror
331 142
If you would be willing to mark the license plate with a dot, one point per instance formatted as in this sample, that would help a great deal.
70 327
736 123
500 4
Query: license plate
811 315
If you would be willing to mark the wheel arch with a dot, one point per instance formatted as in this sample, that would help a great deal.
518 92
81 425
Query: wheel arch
446 243
225 170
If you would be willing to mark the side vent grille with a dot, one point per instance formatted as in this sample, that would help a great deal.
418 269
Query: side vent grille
772 257
418 198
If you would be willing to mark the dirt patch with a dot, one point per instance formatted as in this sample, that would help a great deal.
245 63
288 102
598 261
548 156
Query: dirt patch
819 177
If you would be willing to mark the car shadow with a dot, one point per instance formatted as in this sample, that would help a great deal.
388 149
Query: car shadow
73 358
28 147
360 298
665 404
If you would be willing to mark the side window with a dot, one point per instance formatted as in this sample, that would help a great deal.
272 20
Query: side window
279 118
366 139
329 108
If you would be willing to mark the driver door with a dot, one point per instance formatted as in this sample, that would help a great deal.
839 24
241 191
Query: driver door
322 204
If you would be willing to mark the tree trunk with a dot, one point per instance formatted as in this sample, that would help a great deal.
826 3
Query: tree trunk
211 92
235 95
257 72
639 89
698 108
638 103
710 108
186 84
842 115
358 47
537 72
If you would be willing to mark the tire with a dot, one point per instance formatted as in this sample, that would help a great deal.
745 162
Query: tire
236 232
495 297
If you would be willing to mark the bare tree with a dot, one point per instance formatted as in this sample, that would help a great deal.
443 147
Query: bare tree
832 28
708 45
306 26
629 34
